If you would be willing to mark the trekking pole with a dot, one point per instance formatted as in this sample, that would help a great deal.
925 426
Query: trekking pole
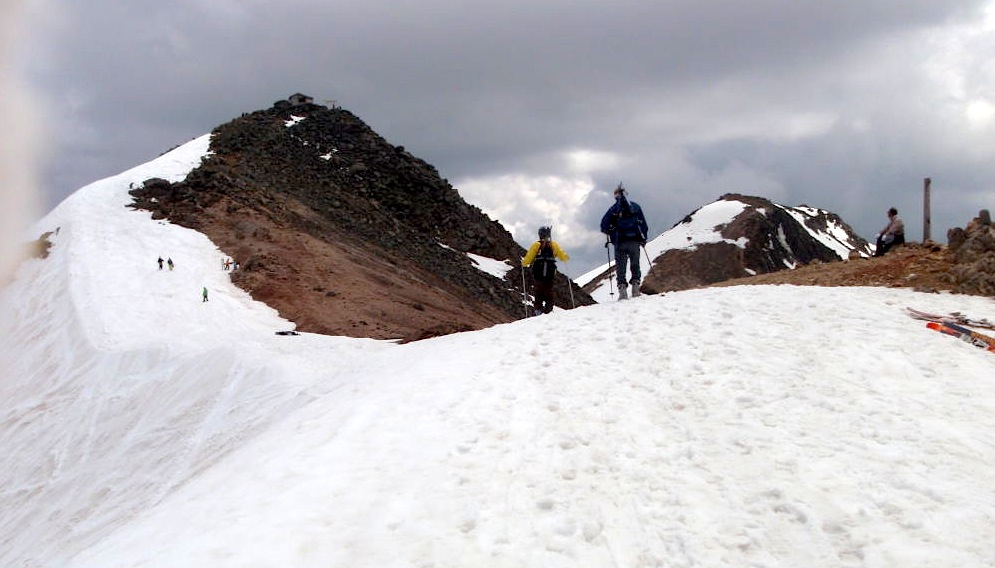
649 261
611 285
570 286
525 299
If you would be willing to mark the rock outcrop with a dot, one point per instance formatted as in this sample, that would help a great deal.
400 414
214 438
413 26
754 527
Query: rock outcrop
972 251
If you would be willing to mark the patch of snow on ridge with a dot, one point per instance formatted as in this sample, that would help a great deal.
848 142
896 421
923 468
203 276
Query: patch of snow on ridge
498 268
835 239
704 227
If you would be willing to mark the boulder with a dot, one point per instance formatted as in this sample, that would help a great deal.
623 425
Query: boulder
972 250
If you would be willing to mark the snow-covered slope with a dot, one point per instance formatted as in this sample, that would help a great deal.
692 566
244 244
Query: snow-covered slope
119 383
749 426
109 254
727 427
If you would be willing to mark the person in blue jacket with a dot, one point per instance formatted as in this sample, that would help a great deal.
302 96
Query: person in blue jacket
626 227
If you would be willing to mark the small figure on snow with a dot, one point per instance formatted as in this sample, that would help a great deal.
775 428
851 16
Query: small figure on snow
204 294
626 228
542 257
169 262
160 263
893 234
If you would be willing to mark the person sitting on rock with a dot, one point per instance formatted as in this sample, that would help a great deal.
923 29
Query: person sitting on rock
893 234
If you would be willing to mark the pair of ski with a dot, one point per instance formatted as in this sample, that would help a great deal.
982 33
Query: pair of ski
954 317
950 326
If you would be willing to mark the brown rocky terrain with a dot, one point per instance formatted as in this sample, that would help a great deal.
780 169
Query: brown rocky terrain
924 267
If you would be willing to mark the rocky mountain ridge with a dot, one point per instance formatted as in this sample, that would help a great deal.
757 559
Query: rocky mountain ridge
346 234
342 232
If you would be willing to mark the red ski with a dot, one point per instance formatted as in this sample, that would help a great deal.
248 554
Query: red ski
964 334
989 340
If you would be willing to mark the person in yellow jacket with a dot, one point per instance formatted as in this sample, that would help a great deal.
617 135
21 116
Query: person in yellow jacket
542 257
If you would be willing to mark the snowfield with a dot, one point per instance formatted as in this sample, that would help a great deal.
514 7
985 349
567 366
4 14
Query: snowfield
768 426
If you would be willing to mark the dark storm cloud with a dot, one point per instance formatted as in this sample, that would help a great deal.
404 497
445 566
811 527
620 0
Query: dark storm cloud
841 105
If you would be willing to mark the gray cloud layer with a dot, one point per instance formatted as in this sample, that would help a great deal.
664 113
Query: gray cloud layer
534 110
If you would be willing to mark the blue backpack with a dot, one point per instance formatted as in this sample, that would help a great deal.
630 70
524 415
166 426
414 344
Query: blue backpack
627 223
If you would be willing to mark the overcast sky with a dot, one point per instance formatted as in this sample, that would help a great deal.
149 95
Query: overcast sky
535 109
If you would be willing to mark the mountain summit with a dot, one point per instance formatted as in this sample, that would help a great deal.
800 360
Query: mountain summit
344 233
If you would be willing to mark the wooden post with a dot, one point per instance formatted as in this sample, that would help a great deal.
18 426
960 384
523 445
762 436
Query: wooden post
925 209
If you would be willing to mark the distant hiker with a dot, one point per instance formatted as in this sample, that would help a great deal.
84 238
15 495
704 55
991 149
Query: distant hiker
170 263
542 257
626 228
893 234
160 263
204 294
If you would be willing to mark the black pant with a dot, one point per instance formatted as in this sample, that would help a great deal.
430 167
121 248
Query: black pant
543 296
883 247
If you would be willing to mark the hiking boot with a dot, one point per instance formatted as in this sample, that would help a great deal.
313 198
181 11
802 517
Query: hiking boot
623 292
635 289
